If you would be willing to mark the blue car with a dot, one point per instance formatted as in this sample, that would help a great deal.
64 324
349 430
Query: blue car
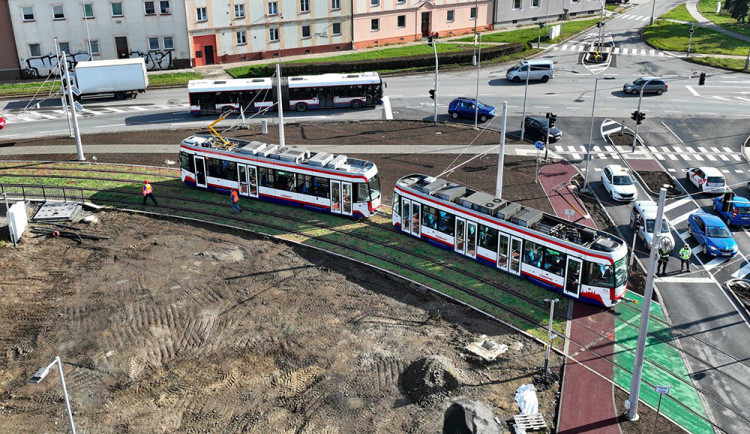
710 231
466 108
735 210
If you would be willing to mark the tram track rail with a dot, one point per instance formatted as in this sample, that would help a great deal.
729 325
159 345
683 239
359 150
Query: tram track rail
305 230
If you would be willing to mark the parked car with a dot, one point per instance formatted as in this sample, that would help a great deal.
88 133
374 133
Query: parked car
618 183
2 122
707 179
735 210
467 108
537 127
710 231
652 85
643 221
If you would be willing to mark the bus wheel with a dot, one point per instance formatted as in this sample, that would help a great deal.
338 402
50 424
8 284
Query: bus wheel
120 95
301 106
356 104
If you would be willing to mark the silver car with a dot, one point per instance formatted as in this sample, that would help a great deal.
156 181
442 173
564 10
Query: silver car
652 85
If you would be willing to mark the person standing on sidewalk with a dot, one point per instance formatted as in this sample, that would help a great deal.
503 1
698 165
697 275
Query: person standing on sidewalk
685 254
663 259
148 191
234 198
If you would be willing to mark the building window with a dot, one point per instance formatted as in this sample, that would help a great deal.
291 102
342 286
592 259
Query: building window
164 7
400 2
335 4
450 16
88 10
336 29
35 50
202 14
241 38
473 14
94 46
304 5
168 43
273 8
149 8
117 9
534 3
273 34
516 4
375 24
58 13
374 3
28 13
239 11
305 32
64 47
153 44
402 20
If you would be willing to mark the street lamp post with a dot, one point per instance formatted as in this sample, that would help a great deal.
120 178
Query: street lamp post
601 26
476 20
479 60
39 376
591 137
525 94
432 42
747 61
653 5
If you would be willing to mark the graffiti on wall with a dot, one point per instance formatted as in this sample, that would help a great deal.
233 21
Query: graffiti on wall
42 66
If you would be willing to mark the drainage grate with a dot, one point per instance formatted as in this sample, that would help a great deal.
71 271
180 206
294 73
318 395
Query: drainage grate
530 422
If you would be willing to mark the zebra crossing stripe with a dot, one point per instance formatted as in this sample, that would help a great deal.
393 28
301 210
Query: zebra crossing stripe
576 156
46 116
735 156
715 150
711 157
652 52
742 98
596 149
727 150
672 157
723 157
697 157
616 50
659 157
702 150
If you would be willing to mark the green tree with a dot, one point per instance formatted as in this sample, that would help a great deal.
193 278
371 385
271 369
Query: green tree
738 9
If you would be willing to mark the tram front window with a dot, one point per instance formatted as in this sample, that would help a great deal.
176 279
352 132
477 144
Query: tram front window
374 187
621 272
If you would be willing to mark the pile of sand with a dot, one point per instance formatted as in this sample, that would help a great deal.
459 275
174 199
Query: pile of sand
429 379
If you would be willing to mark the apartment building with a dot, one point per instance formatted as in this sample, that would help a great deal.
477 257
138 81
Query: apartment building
237 30
9 66
510 13
154 30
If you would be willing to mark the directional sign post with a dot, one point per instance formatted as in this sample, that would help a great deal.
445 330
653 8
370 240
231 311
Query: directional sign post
539 146
661 390
690 40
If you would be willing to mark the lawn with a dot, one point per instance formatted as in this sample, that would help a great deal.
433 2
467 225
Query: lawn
722 62
708 9
529 35
680 13
671 36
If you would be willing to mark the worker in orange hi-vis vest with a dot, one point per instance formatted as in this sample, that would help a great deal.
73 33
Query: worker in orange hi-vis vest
148 191
235 199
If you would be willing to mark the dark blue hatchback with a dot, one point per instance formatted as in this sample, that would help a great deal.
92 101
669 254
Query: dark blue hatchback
466 108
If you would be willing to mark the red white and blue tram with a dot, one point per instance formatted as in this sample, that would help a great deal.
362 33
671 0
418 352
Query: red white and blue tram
315 180
572 259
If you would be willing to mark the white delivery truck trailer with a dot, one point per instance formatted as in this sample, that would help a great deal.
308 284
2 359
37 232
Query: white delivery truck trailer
119 77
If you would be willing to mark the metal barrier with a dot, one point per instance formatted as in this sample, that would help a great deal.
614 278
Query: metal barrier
37 193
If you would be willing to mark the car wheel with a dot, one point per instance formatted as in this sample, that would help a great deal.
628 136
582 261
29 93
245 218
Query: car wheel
659 91
729 222
516 79
301 106
545 78
634 92
454 115
482 118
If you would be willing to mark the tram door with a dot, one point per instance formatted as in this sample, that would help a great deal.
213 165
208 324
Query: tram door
471 240
460 237
573 277
346 199
406 215
515 255
335 194
200 171
502 251
247 176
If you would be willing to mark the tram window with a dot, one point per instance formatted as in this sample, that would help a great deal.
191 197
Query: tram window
446 223
320 187
598 275
284 180
360 193
222 169
374 187
396 203
487 237
554 261
186 162
534 254
304 183
266 177
429 217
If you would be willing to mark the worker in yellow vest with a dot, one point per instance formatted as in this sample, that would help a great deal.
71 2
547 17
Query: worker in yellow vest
685 254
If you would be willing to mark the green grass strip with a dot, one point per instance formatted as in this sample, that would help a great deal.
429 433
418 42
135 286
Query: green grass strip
671 36
680 13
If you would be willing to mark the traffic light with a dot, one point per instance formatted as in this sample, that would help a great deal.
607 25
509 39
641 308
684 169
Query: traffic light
552 119
641 117
702 79
432 93
429 41
634 116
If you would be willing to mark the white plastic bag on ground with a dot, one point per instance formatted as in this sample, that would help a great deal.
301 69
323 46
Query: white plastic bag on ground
526 399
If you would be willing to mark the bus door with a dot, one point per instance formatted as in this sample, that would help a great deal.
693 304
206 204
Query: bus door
335 197
515 255
326 97
346 199
200 171
247 177
573 277
471 240
502 251
459 241
406 215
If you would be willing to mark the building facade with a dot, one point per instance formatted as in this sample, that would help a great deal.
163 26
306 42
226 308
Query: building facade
9 66
382 22
238 30
86 30
510 13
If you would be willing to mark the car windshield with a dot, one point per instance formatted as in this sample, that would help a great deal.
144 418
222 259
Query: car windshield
481 106
650 223
623 180
639 82
715 179
718 232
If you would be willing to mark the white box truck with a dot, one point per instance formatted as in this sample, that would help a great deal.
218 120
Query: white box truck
121 78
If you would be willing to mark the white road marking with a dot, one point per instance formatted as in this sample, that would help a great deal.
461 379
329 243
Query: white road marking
677 203
742 272
690 88
677 279
677 220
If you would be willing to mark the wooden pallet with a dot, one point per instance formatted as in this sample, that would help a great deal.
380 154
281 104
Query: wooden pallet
531 422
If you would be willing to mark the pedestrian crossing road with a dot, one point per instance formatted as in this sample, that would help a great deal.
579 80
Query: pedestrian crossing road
46 114
662 153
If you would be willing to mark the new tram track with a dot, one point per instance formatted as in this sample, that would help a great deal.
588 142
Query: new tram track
341 248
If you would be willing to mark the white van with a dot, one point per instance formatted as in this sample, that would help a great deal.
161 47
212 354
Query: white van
540 70
643 220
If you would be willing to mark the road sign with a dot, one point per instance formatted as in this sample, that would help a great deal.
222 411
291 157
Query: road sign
539 145
662 389
691 30
569 212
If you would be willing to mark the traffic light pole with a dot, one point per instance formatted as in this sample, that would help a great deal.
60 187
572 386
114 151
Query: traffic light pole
479 60
525 94
640 99
434 46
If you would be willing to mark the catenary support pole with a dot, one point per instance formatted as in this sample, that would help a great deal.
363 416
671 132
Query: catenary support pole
591 137
631 404
501 157
525 94
479 60
65 394
76 131
281 104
